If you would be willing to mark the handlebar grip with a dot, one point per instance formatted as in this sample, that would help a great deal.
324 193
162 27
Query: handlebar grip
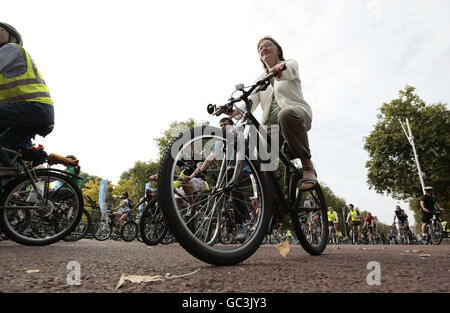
54 158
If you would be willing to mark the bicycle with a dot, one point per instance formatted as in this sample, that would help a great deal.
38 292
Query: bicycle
152 226
202 242
356 238
333 235
39 206
104 228
83 227
405 235
434 229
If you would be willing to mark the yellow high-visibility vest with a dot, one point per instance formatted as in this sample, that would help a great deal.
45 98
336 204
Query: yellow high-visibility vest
29 86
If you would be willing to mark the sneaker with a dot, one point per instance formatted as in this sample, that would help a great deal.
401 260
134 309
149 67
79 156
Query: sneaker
241 232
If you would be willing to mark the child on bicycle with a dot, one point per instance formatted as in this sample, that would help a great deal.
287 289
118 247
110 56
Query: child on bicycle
125 207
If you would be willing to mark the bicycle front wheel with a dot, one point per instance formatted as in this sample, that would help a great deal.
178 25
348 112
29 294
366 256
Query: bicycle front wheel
129 231
102 231
152 226
40 210
82 228
436 233
309 217
196 223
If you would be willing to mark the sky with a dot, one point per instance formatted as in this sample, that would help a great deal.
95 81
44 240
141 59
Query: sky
120 72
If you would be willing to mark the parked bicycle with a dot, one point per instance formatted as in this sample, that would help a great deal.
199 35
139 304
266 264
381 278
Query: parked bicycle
39 205
202 241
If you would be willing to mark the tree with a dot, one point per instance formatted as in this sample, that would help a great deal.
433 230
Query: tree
391 168
172 132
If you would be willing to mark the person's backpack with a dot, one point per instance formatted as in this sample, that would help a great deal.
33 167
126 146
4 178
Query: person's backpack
130 203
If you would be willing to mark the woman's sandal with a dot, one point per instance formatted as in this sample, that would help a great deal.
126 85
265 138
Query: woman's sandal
312 181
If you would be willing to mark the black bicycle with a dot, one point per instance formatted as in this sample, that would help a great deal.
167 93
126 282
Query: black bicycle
434 230
39 205
237 185
83 227
356 236
152 225
406 237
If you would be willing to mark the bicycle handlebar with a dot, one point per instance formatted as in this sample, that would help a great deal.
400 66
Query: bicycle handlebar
263 84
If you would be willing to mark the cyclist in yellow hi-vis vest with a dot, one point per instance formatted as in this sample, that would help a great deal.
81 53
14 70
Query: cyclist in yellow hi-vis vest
333 220
26 107
353 218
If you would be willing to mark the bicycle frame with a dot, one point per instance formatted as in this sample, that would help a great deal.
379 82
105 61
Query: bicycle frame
31 173
248 120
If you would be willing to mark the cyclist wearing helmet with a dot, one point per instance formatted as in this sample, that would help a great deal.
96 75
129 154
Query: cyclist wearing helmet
428 204
26 107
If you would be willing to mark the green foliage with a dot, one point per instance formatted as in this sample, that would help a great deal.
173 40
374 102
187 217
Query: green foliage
391 167
172 132
86 178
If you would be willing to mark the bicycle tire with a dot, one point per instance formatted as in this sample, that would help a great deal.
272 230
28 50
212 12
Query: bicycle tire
315 243
436 233
102 231
151 226
82 228
53 215
208 251
129 231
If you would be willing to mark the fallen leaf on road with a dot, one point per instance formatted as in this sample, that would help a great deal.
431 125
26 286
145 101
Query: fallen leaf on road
425 255
284 248
416 251
168 276
32 271
138 279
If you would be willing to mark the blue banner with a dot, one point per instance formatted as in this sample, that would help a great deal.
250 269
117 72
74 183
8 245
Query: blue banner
102 194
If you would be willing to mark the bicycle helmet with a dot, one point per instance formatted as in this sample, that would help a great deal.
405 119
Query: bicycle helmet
428 188
12 32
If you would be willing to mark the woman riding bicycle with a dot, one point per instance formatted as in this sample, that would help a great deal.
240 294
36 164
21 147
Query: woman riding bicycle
283 104
26 108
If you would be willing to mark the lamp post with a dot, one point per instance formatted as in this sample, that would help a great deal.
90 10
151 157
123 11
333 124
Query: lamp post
410 138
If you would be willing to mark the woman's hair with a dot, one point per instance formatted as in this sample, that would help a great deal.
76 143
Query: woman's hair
227 119
280 50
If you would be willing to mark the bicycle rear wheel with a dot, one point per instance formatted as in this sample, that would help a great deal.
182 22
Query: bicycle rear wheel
309 217
201 240
34 220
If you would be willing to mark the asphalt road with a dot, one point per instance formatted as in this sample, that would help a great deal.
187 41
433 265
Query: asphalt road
340 269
